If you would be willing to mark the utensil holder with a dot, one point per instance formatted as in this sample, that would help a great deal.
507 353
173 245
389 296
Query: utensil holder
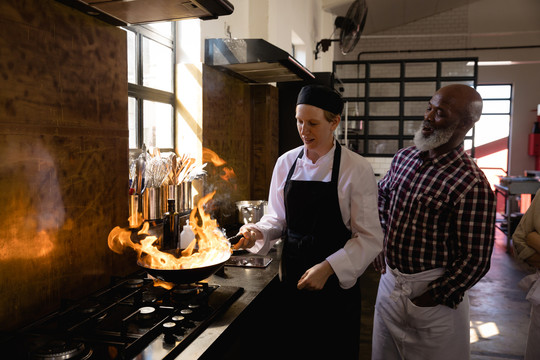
181 195
152 207
185 197
133 210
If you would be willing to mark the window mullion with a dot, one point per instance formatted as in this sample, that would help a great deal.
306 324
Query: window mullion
146 96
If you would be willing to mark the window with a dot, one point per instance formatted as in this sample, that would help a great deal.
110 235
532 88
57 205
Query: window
151 74
386 99
492 130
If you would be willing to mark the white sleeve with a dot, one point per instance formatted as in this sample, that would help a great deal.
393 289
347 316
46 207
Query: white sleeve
366 243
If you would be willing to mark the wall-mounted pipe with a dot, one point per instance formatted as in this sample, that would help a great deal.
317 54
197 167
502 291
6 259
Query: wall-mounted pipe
450 49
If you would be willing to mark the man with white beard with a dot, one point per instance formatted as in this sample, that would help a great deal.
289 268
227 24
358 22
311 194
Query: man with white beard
437 211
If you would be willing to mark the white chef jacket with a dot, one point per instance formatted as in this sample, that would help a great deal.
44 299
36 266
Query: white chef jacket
357 192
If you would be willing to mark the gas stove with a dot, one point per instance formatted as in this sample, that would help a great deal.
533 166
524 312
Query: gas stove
131 318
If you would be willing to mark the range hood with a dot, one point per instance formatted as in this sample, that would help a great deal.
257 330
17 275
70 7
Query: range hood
254 60
128 12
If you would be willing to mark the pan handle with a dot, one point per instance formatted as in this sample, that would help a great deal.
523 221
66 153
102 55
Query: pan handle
235 239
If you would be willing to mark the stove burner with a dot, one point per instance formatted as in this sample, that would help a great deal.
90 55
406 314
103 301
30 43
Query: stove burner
134 283
148 297
62 350
124 320
89 307
186 289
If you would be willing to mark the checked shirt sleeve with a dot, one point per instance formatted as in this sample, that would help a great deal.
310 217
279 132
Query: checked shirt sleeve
384 197
475 226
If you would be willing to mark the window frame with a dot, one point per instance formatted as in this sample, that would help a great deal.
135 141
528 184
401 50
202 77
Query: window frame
140 92
510 100
367 80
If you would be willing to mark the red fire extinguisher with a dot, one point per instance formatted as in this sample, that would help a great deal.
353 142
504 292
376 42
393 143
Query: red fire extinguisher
534 141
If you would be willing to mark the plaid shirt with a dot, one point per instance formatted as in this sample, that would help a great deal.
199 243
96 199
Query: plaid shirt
438 213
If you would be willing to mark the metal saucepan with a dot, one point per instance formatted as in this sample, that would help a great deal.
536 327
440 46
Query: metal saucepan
251 211
187 276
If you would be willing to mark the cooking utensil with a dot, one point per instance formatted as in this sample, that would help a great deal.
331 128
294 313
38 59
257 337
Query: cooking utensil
183 276
140 169
133 210
188 276
235 239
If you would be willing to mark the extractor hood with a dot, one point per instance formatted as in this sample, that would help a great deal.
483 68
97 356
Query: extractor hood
128 12
254 60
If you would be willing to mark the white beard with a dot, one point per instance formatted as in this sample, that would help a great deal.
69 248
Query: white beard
437 138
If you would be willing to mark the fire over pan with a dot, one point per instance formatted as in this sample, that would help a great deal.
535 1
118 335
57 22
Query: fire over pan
187 276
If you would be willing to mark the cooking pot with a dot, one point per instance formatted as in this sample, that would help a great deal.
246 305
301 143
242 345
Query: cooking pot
251 211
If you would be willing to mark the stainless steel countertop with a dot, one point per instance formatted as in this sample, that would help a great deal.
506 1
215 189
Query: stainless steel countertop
253 280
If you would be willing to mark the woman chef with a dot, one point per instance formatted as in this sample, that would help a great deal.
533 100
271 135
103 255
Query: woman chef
323 201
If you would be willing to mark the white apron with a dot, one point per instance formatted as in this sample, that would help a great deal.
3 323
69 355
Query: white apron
403 331
531 283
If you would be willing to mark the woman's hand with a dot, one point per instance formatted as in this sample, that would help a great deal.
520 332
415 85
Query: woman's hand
315 277
379 263
251 234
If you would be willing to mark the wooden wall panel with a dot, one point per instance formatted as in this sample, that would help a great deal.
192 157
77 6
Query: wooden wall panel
265 138
240 124
64 150
227 130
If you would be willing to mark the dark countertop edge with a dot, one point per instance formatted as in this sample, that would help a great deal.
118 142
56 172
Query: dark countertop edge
253 281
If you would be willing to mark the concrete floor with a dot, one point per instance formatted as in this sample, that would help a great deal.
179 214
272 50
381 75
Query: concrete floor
499 313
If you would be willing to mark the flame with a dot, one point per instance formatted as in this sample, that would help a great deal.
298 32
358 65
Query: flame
210 156
228 174
163 284
213 247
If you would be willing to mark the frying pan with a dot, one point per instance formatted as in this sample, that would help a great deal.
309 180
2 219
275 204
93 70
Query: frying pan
183 276
187 276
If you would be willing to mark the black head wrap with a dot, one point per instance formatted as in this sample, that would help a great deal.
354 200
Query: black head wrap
322 97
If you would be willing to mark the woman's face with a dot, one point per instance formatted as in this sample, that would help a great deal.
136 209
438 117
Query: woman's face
315 131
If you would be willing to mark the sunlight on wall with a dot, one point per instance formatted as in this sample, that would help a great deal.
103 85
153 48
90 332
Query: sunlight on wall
189 91
489 164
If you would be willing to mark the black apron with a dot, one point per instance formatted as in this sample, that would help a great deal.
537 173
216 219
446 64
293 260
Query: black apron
326 322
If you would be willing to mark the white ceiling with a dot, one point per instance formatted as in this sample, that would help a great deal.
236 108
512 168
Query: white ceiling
386 14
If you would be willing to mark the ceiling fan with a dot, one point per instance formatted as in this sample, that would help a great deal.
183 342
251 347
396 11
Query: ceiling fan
350 25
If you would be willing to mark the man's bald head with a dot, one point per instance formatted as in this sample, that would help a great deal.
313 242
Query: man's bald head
464 99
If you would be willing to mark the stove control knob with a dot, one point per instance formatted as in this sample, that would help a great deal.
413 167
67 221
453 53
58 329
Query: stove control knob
169 329
179 320
188 314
